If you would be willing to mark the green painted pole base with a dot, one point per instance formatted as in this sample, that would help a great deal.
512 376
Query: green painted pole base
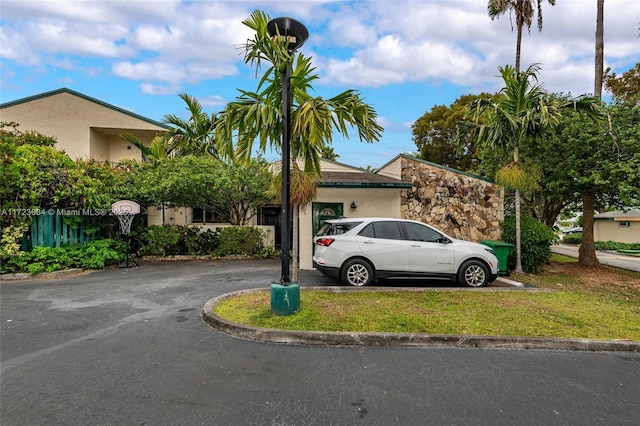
285 299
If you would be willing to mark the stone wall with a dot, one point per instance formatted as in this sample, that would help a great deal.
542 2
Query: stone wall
462 206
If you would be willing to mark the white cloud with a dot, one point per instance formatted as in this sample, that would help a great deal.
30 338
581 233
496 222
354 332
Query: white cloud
159 89
212 101
456 42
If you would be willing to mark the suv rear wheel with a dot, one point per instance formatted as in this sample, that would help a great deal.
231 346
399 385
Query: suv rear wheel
473 273
357 272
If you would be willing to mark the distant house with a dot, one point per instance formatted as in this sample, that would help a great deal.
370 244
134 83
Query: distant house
618 226
83 126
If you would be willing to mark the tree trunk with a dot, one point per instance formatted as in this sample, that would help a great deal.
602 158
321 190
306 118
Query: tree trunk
599 60
587 252
294 245
518 46
518 268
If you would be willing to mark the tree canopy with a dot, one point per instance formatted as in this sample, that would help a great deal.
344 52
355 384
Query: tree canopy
435 135
626 87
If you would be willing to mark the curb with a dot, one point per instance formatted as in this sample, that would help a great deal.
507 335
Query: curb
270 335
54 274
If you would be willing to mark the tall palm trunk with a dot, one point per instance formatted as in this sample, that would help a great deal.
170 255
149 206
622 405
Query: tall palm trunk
294 245
518 268
518 47
587 252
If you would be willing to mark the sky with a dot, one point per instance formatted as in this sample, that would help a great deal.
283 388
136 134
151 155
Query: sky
404 57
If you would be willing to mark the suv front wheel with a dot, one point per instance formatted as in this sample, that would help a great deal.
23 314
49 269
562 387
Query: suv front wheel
357 272
473 273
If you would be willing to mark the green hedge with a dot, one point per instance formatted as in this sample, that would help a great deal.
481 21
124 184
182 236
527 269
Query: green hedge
168 240
536 239
575 238
600 245
612 245
92 255
242 240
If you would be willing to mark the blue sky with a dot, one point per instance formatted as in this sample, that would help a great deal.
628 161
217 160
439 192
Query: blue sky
403 56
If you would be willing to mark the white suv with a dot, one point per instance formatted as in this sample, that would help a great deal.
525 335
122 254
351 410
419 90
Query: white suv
359 250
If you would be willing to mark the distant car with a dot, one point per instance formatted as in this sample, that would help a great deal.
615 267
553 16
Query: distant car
572 230
361 250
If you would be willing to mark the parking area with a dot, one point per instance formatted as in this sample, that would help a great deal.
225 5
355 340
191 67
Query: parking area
127 346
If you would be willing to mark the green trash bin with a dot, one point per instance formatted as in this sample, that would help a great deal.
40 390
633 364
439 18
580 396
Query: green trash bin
501 249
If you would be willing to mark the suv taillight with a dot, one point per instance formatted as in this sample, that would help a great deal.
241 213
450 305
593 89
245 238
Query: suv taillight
326 242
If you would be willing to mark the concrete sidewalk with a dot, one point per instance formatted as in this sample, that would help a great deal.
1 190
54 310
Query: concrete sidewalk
609 258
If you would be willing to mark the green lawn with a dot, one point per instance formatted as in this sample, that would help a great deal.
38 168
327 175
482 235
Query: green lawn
576 310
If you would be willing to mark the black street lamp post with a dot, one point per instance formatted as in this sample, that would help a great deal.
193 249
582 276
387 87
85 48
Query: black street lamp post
282 301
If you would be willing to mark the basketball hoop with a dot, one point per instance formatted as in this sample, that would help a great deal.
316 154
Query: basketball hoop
125 220
125 210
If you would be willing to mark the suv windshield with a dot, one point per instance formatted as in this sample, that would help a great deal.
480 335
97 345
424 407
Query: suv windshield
336 228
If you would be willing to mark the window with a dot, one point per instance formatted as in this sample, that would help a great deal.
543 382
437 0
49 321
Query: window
199 215
386 230
337 228
417 232
624 223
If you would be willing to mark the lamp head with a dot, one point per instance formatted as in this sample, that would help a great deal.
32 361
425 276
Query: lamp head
294 32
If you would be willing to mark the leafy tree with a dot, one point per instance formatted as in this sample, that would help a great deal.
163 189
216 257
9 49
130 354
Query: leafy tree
233 192
626 87
257 115
524 11
601 160
524 116
435 135
36 177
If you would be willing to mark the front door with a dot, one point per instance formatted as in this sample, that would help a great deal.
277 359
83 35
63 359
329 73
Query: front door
324 211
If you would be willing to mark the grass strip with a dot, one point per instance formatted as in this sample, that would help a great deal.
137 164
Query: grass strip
563 314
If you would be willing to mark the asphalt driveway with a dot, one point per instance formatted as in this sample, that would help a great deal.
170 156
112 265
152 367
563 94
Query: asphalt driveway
128 347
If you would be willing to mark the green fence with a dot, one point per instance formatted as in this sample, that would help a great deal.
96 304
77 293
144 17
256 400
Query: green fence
53 231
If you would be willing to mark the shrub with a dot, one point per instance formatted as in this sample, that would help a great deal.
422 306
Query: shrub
92 255
612 245
536 241
197 241
168 240
245 240
575 238
161 240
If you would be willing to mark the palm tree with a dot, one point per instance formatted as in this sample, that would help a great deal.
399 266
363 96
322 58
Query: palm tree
524 11
524 114
257 115
314 120
328 153
158 150
194 135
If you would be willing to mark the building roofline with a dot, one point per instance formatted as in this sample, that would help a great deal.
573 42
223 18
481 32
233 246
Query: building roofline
378 185
83 96
440 166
